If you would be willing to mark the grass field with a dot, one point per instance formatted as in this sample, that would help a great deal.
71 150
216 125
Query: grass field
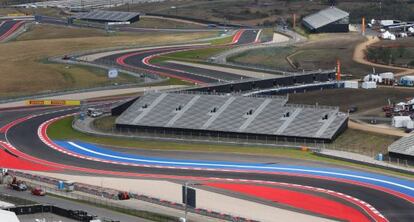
199 55
253 12
151 22
62 130
399 52
320 52
272 57
23 71
362 98
362 142
31 11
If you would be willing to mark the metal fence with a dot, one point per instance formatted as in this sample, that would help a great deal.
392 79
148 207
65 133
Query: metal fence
108 198
263 141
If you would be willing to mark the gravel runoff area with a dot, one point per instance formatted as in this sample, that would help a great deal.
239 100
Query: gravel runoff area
205 199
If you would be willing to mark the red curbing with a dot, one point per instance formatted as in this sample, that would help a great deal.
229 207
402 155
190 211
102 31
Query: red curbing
237 36
121 61
11 30
6 127
42 133
368 208
11 160
307 202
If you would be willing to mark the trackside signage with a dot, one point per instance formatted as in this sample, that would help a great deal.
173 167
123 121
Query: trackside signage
54 102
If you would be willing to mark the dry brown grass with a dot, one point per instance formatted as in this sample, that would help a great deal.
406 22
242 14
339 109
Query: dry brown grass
54 32
23 72
150 22
31 11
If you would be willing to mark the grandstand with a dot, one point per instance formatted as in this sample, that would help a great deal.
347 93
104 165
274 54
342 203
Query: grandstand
108 16
232 116
403 147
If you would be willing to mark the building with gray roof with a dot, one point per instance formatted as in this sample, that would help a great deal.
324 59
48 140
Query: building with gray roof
403 148
328 20
109 16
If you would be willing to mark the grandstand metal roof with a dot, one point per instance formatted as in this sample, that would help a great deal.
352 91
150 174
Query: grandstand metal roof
233 113
324 17
115 16
405 146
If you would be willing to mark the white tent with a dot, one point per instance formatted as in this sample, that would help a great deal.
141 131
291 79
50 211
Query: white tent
401 121
388 35
8 216
373 78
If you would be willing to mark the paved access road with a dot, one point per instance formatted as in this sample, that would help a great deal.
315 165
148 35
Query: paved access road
71 205
24 137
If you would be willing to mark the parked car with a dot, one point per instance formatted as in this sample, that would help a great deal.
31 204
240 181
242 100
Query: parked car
38 192
19 186
96 114
123 196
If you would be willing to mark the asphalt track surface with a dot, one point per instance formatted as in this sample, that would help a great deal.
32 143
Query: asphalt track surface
140 60
24 137
8 27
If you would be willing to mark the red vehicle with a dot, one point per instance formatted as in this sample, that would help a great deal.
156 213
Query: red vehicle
123 196
38 192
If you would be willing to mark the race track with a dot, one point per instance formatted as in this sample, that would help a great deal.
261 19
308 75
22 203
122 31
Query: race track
140 61
8 27
24 136
23 133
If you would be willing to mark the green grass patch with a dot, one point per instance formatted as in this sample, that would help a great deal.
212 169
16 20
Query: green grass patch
222 41
301 30
271 57
198 55
366 143
62 130
171 81
137 213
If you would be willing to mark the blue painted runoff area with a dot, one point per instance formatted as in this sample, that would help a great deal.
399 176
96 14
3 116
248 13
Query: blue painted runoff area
91 150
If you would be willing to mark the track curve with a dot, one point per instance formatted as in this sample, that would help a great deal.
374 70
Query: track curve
8 27
140 60
24 136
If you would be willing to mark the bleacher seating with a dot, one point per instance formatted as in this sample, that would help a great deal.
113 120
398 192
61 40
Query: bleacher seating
233 113
404 146
113 16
